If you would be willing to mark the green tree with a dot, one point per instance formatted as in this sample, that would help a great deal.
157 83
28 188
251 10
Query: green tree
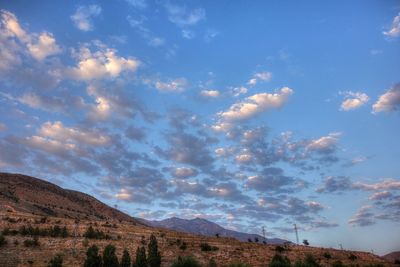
186 262
93 259
279 261
126 259
57 261
141 257
154 257
109 257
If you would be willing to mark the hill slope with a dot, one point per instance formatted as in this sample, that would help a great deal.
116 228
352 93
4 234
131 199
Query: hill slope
31 195
204 227
393 256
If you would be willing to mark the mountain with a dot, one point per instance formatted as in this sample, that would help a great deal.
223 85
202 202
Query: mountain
393 256
31 195
201 226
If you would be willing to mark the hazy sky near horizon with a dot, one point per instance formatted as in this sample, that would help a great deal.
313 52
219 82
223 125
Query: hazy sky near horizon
246 113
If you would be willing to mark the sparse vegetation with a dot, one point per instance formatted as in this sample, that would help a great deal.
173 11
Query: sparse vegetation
239 265
212 263
57 261
186 262
327 255
207 247
309 261
352 257
279 249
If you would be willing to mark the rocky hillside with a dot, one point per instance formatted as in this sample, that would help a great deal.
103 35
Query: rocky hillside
204 227
31 195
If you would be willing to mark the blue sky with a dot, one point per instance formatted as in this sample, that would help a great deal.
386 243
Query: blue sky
249 114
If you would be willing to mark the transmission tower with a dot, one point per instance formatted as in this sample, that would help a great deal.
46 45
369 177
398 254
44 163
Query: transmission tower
75 240
263 232
297 234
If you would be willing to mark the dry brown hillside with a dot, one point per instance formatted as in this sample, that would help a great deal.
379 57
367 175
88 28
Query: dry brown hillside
19 201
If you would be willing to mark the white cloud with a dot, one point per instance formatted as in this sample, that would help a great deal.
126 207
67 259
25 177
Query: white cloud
237 91
59 132
394 30
101 64
260 76
184 172
363 217
388 184
256 104
353 100
243 158
183 17
324 144
175 85
14 40
389 101
140 4
210 93
83 17
45 46
380 195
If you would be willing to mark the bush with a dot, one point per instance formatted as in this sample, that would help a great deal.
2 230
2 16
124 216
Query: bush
309 261
32 242
186 262
239 265
93 259
352 257
109 257
95 234
338 264
327 255
279 261
305 242
279 249
212 263
154 256
183 245
3 240
57 261
207 247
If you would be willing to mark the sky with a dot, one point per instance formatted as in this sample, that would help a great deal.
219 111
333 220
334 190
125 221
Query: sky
245 113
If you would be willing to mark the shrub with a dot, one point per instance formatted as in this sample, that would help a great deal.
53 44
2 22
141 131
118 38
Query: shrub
279 249
126 259
92 233
212 263
207 247
32 242
154 256
352 257
57 261
109 257
183 245
397 261
305 242
279 261
239 265
338 264
3 240
309 261
93 259
186 262
327 255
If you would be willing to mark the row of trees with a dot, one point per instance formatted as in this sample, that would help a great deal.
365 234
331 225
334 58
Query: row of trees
55 231
110 259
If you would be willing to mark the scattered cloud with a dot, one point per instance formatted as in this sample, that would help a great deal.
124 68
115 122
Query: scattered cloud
182 16
255 104
260 76
84 15
210 93
363 217
389 101
353 100
172 85
394 30
184 172
140 4
335 184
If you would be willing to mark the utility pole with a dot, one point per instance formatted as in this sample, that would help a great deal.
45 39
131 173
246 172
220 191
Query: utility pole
297 234
341 247
263 232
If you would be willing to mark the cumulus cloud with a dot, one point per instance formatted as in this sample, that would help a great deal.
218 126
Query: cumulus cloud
84 15
325 144
210 93
335 184
173 85
389 101
15 40
260 76
363 217
256 104
101 64
387 184
394 30
380 195
353 100
184 172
